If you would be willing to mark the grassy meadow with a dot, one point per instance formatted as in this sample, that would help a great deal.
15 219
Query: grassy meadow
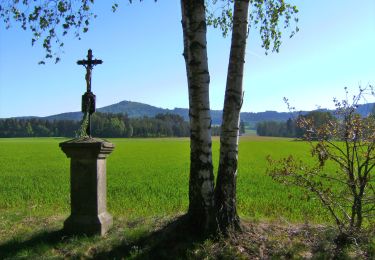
147 177
147 183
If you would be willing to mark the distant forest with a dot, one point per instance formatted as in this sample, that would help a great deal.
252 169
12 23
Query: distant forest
103 125
290 127
162 125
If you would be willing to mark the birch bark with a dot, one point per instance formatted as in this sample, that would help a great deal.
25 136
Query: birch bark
201 183
225 191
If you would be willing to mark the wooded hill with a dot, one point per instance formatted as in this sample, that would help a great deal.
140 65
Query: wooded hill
136 109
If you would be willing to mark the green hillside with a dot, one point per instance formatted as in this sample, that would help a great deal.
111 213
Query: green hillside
137 109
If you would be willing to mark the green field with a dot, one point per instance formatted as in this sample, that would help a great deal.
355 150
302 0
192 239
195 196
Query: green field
147 196
147 177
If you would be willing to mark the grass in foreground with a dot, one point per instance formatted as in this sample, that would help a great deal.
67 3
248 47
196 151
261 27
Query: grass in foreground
168 238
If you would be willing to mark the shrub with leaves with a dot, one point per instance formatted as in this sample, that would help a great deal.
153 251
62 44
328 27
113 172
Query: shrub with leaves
345 144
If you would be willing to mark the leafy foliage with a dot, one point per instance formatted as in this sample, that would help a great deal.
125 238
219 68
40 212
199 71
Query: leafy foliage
265 16
347 190
48 21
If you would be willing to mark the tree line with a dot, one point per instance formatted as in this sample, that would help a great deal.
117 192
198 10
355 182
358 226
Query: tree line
103 125
290 128
277 128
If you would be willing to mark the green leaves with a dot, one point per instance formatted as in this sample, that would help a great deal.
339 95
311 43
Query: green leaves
114 7
224 21
265 15
346 142
62 7
48 21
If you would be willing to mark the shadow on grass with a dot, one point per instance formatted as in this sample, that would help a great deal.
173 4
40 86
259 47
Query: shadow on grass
173 241
14 247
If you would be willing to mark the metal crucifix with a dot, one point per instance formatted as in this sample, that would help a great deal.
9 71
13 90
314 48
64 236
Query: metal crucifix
88 99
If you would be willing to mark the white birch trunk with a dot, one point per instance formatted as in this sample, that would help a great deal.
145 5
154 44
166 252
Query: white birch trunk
225 192
201 183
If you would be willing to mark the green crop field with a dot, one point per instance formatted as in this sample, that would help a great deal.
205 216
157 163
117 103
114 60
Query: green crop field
147 196
147 177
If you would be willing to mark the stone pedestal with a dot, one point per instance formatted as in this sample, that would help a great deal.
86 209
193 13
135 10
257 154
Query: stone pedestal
88 186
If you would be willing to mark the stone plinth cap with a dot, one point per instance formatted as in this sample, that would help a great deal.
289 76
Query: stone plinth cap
87 147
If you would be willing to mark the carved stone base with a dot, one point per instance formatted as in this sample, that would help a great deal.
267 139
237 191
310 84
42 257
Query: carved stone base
88 186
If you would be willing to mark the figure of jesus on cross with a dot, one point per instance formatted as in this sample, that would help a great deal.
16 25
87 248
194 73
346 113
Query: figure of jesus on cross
88 99
89 64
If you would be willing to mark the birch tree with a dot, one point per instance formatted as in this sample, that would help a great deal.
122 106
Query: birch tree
225 191
201 183
266 16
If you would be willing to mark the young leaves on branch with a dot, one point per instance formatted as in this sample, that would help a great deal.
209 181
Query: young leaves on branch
265 15
342 176
48 21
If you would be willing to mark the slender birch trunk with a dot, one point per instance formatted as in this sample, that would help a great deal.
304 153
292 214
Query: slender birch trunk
201 183
225 191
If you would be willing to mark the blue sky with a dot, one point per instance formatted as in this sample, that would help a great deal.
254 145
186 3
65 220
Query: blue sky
141 46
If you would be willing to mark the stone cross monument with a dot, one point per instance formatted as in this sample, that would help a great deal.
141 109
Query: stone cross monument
88 99
88 185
